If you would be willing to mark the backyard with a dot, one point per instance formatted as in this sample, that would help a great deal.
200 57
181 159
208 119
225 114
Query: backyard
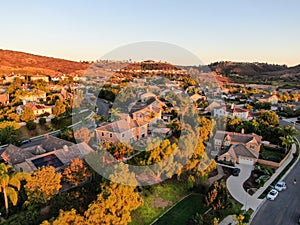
184 211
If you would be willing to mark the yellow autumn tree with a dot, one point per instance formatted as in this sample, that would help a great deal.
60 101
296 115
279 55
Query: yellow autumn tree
76 172
113 205
67 218
43 185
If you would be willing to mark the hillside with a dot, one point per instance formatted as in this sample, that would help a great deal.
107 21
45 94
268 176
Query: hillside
257 72
25 63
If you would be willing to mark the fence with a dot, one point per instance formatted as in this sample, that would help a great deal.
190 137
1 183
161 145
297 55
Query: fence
275 165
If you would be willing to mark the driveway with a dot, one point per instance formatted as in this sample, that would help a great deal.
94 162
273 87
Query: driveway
235 188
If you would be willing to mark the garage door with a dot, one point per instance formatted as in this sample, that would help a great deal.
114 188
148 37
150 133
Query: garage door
246 161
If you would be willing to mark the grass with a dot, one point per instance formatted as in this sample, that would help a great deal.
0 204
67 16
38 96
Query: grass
170 191
183 211
25 133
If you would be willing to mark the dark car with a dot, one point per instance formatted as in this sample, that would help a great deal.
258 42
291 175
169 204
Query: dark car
235 171
25 141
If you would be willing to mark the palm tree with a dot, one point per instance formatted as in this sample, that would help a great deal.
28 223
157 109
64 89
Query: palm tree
287 139
289 131
287 142
10 183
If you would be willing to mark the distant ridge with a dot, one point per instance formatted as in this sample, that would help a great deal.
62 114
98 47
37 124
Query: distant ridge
243 72
26 63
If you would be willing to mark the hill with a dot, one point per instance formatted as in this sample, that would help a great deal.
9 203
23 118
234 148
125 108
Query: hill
241 72
25 63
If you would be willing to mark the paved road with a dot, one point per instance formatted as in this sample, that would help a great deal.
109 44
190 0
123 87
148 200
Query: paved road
285 209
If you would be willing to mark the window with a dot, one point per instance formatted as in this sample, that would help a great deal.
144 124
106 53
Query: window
123 135
102 134
110 135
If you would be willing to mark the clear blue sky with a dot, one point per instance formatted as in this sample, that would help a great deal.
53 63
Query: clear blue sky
239 30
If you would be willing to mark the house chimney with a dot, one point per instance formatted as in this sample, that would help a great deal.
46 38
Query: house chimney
66 148
242 131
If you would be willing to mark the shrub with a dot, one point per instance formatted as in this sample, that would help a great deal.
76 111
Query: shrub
31 125
42 121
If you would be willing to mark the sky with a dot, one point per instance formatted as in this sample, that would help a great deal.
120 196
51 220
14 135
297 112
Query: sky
213 30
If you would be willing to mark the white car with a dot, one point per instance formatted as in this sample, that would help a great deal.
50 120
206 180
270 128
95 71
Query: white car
280 186
272 194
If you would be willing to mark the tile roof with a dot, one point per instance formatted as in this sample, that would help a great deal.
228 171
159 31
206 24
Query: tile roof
237 137
242 150
51 143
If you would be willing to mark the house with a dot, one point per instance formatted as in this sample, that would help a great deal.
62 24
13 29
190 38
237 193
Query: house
132 126
124 130
237 147
231 111
273 99
196 98
35 96
40 77
4 99
31 158
11 78
212 106
38 109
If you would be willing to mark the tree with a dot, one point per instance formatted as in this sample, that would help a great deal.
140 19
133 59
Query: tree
76 172
9 135
31 125
67 134
239 219
66 218
287 142
42 121
218 197
59 107
78 98
269 117
113 205
83 134
10 183
27 114
43 185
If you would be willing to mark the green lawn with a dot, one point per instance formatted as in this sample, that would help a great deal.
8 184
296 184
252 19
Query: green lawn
183 211
157 200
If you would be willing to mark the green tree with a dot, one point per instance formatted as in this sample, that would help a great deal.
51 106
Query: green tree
9 132
59 107
43 185
31 125
27 114
42 121
10 183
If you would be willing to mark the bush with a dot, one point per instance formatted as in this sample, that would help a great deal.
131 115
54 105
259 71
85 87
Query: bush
42 121
31 125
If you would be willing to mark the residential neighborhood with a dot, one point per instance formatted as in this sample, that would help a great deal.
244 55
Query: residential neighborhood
149 113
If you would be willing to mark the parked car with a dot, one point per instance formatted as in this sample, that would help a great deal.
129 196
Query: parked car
235 171
25 141
280 186
272 194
